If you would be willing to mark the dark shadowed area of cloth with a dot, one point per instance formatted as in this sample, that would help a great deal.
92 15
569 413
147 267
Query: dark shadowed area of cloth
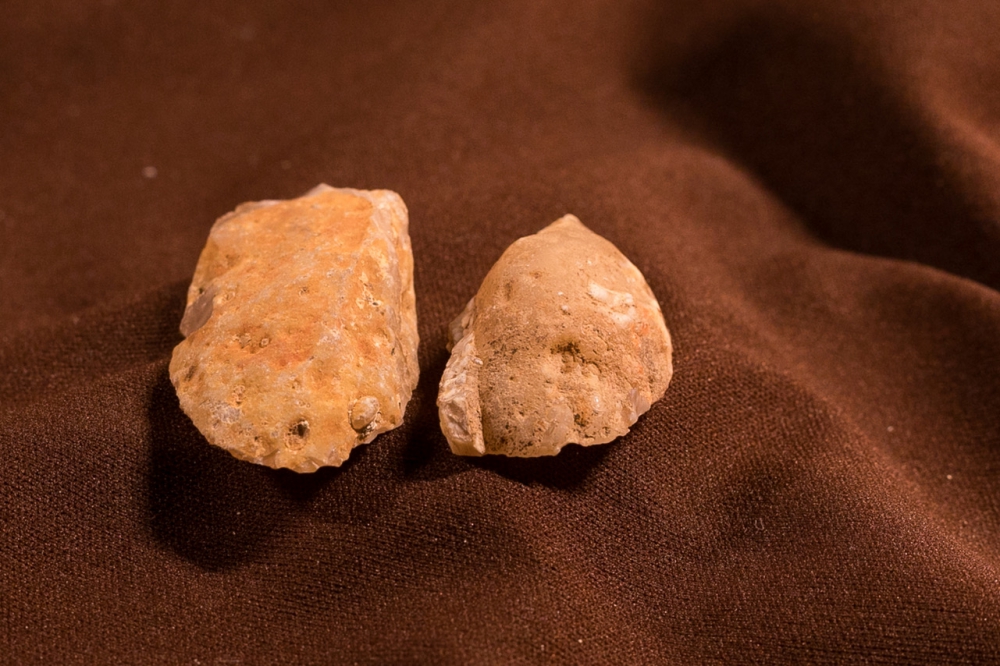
812 190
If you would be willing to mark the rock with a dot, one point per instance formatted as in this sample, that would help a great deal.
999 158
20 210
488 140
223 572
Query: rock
301 328
563 343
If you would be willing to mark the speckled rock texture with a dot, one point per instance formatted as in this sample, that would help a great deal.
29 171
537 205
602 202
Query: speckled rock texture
564 343
301 328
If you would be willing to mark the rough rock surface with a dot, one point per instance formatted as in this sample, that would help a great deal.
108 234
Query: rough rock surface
563 343
301 328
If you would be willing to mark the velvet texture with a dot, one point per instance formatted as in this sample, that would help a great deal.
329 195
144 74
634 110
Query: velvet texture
812 190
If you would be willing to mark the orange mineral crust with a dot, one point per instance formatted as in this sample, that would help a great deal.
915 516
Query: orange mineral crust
301 328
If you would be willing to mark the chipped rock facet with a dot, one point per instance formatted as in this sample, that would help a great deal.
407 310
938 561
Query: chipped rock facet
563 343
301 328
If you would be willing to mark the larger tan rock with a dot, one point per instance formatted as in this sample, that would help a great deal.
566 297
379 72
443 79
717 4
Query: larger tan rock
563 343
301 328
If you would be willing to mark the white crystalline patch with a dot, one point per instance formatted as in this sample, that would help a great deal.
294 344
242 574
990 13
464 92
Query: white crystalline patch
226 414
458 393
458 399
636 405
621 305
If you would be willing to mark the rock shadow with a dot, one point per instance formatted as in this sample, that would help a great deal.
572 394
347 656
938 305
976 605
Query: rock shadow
815 114
212 509
567 471
426 454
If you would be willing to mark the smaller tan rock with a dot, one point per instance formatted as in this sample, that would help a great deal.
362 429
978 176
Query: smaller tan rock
563 343
301 328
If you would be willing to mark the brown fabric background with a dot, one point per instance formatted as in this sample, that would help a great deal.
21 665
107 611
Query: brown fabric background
811 188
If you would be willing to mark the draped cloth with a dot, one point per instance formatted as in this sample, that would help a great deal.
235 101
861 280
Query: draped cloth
812 190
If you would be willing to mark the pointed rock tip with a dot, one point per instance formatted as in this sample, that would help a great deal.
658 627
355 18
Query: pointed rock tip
319 189
568 222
